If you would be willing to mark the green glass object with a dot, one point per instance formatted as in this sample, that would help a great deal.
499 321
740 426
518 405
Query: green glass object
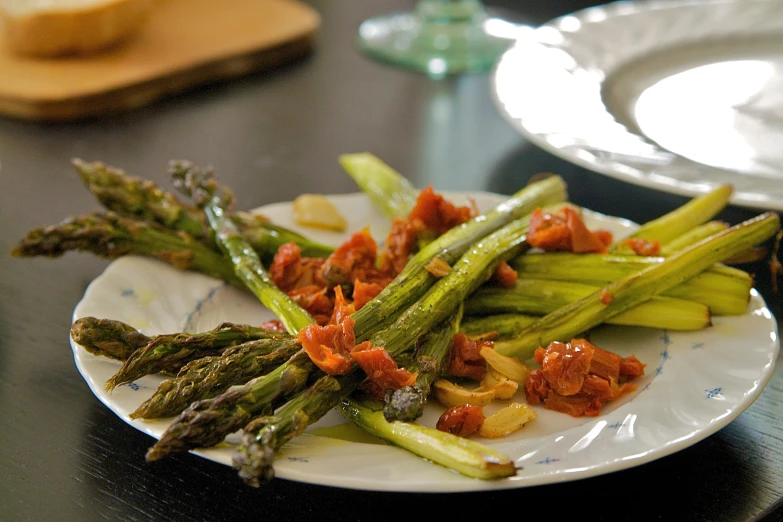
440 37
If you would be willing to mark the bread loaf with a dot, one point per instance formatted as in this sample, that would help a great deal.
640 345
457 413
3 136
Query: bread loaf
50 28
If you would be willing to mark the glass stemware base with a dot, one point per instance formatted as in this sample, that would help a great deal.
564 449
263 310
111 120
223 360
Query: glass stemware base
437 38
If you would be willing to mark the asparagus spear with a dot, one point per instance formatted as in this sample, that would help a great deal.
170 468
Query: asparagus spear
110 236
389 191
692 236
144 200
458 453
579 316
695 212
209 376
265 435
541 296
107 337
725 290
201 186
168 353
407 403
207 422
504 325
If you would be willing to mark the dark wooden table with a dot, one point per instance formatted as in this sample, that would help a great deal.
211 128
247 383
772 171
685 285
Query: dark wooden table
64 456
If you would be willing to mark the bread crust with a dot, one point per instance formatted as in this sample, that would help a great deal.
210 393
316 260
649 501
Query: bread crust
77 30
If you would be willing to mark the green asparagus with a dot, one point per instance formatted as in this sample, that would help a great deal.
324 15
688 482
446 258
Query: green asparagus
540 297
692 236
168 353
207 422
684 218
388 190
725 290
143 200
619 296
209 376
502 325
201 186
110 236
107 337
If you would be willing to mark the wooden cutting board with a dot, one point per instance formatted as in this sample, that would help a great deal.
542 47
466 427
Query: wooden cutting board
184 43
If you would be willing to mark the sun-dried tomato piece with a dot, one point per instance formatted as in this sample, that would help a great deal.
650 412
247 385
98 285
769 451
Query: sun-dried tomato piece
465 358
536 387
565 366
432 215
329 346
548 231
504 275
382 371
363 292
399 245
583 241
462 420
631 367
273 325
289 270
565 231
644 247
315 300
437 213
353 259
579 378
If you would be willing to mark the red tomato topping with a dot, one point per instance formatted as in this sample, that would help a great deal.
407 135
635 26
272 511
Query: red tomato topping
342 308
399 245
465 358
579 378
631 366
582 239
566 232
363 293
504 275
565 365
382 371
329 346
433 215
315 300
289 270
461 420
354 259
274 325
437 213
644 247
548 231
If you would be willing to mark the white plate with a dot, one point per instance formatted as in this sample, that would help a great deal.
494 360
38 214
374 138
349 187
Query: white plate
677 96
695 383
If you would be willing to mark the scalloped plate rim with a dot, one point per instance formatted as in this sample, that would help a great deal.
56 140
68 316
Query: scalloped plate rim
661 179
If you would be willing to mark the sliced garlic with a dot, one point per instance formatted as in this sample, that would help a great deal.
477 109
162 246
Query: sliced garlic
316 211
